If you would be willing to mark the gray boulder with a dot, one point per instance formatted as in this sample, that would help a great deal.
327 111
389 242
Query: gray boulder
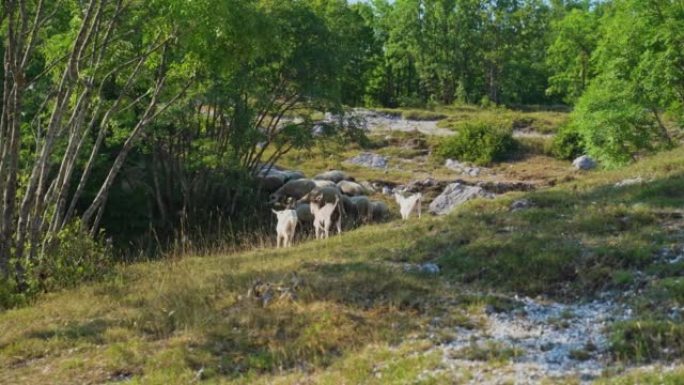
584 162
322 195
462 168
295 189
455 195
334 176
293 175
324 183
351 188
454 165
370 160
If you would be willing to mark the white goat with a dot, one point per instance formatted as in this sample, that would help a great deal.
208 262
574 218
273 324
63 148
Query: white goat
323 218
407 205
286 227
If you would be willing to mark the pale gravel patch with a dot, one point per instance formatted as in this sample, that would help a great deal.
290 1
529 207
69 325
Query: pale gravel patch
380 122
544 334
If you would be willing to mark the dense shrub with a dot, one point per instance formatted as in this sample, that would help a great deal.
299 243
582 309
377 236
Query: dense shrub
613 125
479 142
567 144
9 295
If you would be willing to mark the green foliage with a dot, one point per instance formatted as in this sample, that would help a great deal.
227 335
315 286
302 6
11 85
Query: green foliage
479 142
613 125
72 257
459 50
568 57
10 296
422 115
647 340
637 62
567 144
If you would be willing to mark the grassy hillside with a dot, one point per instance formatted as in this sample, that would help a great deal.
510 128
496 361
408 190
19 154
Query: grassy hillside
358 316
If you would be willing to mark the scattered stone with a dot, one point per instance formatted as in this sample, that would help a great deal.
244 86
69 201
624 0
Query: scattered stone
581 348
504 187
418 143
370 160
375 121
462 168
427 268
455 195
521 204
424 186
629 182
584 162
454 165
671 255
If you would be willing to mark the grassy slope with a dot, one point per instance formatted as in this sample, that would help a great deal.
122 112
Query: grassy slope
359 317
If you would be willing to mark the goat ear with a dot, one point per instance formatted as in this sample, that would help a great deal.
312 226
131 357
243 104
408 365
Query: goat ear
274 212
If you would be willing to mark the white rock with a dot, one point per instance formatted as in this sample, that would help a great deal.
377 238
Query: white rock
454 165
584 162
629 182
430 268
370 160
455 195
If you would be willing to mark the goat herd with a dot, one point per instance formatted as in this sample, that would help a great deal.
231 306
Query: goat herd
330 198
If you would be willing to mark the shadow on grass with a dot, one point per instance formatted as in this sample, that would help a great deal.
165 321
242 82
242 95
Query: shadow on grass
90 331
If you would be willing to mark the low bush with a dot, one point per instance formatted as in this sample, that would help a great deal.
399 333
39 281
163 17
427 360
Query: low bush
567 144
647 340
479 142
70 258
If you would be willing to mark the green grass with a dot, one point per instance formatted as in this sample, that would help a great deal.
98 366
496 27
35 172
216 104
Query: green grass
654 376
359 317
412 114
542 122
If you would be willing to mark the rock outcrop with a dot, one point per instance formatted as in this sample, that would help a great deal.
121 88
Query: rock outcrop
455 195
